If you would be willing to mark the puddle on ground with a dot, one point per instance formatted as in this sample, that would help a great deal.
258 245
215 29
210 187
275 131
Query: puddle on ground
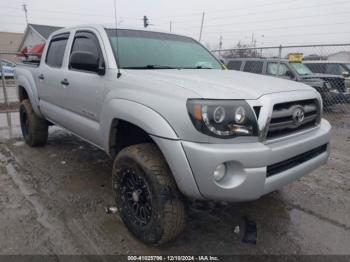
9 125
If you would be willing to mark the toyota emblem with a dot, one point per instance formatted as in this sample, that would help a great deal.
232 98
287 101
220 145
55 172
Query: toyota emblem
298 115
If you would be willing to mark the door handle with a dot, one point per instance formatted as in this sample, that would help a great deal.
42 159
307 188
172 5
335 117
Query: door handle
41 77
65 82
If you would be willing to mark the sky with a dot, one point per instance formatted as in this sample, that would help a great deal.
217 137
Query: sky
265 23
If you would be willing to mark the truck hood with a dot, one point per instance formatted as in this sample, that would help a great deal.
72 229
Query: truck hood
221 84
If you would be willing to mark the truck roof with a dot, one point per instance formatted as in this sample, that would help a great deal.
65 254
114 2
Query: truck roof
257 59
101 27
325 62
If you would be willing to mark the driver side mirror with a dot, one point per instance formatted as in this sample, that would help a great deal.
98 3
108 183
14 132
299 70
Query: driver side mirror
86 61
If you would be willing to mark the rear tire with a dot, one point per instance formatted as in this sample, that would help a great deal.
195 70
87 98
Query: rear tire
34 128
147 197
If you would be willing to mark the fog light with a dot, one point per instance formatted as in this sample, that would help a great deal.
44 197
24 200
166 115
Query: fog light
219 172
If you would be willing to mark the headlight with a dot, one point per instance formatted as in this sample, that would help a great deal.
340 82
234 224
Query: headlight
222 118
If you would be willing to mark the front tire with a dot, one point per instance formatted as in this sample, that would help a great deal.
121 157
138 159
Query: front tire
147 197
34 128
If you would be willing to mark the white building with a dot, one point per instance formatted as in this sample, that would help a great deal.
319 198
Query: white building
9 43
35 35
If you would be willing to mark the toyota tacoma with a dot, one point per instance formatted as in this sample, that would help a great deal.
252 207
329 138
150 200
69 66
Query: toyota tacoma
177 124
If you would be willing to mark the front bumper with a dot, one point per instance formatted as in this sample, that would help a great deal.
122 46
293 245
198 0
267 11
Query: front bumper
246 177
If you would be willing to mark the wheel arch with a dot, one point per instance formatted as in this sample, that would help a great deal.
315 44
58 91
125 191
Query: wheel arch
142 119
26 89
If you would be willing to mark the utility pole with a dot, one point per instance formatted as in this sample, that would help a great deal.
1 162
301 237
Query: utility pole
25 12
171 25
220 46
201 31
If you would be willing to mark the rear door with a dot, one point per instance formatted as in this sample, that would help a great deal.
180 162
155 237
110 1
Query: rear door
49 76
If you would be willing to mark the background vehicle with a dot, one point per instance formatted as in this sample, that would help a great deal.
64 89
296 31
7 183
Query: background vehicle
331 87
330 67
8 68
177 125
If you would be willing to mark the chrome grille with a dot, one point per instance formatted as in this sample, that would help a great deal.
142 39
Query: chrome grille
291 117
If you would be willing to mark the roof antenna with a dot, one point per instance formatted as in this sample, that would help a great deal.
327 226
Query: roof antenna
119 74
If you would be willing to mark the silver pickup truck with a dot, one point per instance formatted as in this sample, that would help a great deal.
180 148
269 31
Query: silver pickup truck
177 124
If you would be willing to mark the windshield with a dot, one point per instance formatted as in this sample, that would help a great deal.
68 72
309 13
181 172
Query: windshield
151 50
301 69
347 66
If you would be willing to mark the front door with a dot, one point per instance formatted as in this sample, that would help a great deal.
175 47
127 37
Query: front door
83 95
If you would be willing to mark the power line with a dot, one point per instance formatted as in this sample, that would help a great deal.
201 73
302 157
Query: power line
275 28
272 11
306 34
57 12
273 20
226 10
215 18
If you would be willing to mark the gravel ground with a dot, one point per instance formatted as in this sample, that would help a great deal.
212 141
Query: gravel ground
52 201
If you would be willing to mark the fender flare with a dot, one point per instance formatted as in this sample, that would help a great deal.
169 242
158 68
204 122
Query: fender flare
29 86
137 114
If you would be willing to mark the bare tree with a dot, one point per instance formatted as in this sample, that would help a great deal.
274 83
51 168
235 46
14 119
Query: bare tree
241 50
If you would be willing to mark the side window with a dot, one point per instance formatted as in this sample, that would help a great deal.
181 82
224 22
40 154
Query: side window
253 67
334 69
316 68
55 52
234 65
85 41
275 70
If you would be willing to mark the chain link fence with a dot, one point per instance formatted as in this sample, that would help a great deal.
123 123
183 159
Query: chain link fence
324 67
8 96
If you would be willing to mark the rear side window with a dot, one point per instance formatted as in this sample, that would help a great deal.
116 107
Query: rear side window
317 68
234 65
334 69
55 53
253 67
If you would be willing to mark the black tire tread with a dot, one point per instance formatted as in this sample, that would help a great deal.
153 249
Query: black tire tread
174 209
38 126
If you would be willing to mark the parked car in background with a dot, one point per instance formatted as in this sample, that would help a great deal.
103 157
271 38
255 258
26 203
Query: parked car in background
331 87
8 68
330 67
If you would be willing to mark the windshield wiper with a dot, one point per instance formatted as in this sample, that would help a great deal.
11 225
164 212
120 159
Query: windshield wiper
150 67
197 67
